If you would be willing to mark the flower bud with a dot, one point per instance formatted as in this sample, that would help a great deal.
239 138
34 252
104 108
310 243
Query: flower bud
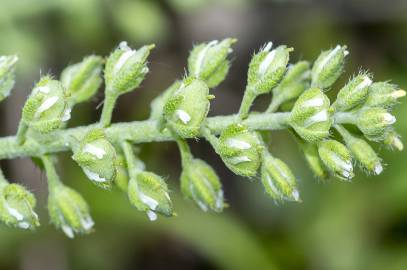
82 80
365 155
158 103
17 207
328 67
97 158
46 109
200 183
240 150
353 93
126 68
311 155
267 68
149 193
69 212
293 83
374 122
310 116
208 61
278 180
336 158
384 94
393 140
7 75
188 107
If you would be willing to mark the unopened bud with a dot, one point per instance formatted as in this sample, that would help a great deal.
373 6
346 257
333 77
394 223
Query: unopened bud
240 150
188 107
69 212
293 83
149 193
278 180
126 68
46 109
393 140
365 155
200 183
82 80
97 157
384 94
328 67
208 61
353 93
311 117
267 68
7 75
374 122
17 207
336 158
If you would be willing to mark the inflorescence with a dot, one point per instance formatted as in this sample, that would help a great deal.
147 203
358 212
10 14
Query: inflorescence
107 155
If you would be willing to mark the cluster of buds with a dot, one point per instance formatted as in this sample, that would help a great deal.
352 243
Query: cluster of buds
108 157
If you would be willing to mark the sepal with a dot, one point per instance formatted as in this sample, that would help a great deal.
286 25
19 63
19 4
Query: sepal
336 158
7 75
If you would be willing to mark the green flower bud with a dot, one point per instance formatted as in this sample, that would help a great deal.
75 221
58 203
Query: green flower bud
46 109
240 150
393 140
374 122
310 116
82 80
148 192
384 94
188 107
200 183
267 68
7 75
97 157
17 207
278 180
294 82
311 155
69 212
208 61
157 105
353 93
365 155
328 67
126 68
336 158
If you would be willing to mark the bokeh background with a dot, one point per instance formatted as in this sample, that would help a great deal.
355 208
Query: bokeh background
359 225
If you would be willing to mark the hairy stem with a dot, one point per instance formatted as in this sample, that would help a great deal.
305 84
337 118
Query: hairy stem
247 102
185 151
52 175
135 132
108 106
21 132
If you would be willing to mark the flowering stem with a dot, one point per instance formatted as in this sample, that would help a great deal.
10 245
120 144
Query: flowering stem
135 132
21 132
247 102
131 160
274 104
185 152
344 118
52 176
347 137
109 103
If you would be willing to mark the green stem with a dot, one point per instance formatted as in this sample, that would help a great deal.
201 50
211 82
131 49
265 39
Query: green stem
346 135
185 152
52 175
21 132
274 104
135 132
133 163
108 106
247 102
344 118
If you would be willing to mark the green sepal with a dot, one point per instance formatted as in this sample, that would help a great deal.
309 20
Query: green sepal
353 93
69 212
96 156
7 75
187 108
336 158
200 183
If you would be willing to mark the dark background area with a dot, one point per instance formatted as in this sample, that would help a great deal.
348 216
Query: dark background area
358 225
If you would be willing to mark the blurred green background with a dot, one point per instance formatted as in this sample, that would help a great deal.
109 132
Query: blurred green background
359 225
